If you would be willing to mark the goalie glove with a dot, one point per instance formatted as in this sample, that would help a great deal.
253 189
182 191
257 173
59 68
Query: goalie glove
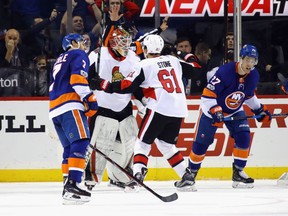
90 104
264 112
217 115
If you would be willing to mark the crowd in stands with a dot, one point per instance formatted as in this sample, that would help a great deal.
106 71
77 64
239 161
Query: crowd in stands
31 31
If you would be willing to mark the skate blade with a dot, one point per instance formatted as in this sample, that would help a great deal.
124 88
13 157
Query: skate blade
191 188
116 186
242 185
74 202
135 189
70 199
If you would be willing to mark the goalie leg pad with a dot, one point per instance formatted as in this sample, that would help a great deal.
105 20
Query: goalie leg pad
104 136
123 151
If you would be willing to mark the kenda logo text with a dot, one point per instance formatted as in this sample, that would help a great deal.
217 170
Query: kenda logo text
199 8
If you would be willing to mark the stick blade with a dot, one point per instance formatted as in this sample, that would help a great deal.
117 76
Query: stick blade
169 198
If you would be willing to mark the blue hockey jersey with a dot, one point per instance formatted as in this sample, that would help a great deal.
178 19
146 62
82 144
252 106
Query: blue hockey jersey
230 90
69 85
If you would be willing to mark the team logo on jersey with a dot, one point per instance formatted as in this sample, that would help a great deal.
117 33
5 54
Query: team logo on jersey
234 100
84 73
117 75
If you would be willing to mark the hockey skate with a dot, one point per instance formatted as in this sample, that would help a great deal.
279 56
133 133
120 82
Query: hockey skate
89 182
118 184
240 179
187 183
133 186
73 195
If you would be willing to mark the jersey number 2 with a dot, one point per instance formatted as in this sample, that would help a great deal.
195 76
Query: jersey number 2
169 81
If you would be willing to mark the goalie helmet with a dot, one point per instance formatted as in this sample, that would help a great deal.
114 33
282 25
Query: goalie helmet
250 51
67 40
153 44
120 41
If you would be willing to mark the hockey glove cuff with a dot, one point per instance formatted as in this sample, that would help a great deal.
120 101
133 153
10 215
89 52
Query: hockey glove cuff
217 115
264 112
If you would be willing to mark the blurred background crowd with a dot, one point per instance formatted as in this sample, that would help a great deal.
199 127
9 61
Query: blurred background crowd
31 32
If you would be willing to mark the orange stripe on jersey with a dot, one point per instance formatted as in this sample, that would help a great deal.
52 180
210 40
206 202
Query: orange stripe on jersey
208 93
175 159
149 93
64 98
78 79
139 49
80 125
196 158
105 43
142 159
76 163
65 169
241 153
125 84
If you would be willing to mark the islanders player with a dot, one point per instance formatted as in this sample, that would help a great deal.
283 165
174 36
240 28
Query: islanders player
232 85
71 102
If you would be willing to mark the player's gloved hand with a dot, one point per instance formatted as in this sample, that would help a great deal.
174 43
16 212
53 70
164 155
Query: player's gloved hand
91 104
264 112
217 115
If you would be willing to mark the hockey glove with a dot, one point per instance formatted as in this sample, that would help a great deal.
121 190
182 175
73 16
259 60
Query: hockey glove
91 104
217 115
264 112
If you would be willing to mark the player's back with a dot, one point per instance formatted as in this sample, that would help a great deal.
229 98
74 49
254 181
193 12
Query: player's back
163 84
62 95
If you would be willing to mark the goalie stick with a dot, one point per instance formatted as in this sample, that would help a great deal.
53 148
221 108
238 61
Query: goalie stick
169 198
253 117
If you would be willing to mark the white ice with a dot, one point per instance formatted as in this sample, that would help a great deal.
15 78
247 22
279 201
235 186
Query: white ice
212 198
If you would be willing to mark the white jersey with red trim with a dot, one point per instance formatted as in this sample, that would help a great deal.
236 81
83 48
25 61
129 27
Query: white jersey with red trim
162 85
113 69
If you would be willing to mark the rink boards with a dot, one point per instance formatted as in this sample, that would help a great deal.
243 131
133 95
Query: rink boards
30 149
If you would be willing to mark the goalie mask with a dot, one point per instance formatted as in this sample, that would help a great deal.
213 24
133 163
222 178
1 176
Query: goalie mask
152 44
120 41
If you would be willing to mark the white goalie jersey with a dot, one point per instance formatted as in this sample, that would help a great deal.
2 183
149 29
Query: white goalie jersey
113 69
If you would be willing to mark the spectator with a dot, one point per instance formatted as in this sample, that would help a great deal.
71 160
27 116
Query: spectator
12 53
222 57
23 13
78 24
41 70
183 44
197 80
38 39
129 9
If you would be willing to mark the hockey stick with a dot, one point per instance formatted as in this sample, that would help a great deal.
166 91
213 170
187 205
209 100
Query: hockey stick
169 198
253 117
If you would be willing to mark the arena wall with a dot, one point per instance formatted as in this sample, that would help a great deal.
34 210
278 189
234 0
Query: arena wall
30 150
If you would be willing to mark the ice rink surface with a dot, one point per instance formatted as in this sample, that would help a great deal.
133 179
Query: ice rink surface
212 198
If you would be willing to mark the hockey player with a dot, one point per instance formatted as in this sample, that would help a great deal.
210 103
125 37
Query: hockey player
160 78
232 85
114 126
71 102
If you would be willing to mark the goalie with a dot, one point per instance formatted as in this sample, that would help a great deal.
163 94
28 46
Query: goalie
114 128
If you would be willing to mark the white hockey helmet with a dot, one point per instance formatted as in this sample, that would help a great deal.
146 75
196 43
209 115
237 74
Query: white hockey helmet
153 44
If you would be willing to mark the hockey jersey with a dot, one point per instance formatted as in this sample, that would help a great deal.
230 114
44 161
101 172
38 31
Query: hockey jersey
228 89
68 85
161 81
